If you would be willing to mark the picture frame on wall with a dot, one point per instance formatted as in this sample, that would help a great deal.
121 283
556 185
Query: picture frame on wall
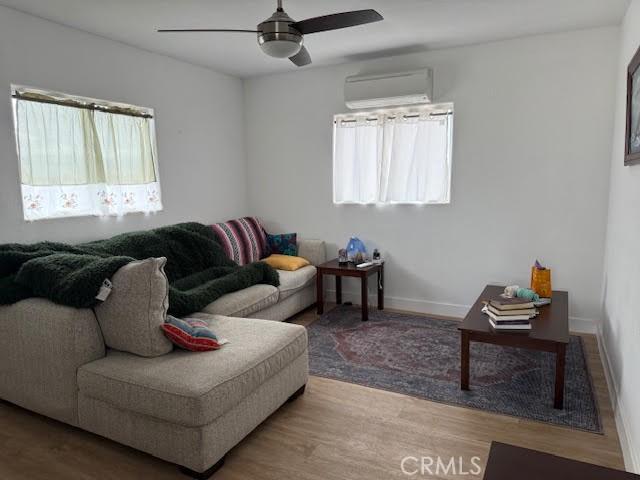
632 142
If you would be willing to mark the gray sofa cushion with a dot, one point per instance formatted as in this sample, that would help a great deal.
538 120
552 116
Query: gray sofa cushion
244 302
312 250
131 317
292 282
42 344
195 388
288 307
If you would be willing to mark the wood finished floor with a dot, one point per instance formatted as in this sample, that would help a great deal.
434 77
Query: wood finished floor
335 431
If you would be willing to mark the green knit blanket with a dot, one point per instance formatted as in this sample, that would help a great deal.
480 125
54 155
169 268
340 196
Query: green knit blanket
198 270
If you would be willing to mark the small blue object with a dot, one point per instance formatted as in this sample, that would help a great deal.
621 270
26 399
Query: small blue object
354 247
528 294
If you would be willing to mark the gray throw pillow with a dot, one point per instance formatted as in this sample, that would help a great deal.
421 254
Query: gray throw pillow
132 315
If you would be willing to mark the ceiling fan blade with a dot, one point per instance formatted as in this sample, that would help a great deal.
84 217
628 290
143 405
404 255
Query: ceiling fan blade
181 30
301 58
336 21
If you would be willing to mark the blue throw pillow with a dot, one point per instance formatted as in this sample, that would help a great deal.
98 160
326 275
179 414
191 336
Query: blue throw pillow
283 244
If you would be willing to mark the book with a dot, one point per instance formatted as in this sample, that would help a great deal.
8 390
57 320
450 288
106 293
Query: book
511 322
504 318
507 322
511 303
524 311
509 327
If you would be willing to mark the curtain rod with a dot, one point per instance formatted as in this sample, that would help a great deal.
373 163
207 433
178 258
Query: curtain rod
404 116
90 106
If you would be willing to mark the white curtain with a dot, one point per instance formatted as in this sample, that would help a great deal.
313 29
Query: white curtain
126 147
77 162
393 158
56 145
357 159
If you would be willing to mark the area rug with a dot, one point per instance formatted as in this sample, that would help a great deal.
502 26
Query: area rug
420 356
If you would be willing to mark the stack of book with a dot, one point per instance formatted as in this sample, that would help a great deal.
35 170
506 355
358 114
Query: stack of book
510 313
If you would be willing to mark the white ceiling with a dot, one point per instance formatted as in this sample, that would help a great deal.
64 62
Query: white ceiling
409 25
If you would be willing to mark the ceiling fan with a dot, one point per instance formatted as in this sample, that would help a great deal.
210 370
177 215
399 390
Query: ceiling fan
281 37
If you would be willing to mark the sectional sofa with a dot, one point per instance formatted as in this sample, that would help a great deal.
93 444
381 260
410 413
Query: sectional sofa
184 407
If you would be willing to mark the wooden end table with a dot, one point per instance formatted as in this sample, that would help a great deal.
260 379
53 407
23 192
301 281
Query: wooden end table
333 267
507 462
549 333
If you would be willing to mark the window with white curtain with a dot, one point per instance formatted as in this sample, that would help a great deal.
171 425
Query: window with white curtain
393 156
81 157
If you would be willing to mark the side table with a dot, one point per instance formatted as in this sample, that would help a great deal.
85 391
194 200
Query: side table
333 267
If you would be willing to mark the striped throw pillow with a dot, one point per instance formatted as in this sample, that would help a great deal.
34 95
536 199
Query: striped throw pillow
244 240
191 334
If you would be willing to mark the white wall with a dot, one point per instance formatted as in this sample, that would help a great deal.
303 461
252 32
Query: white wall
620 333
199 122
530 175
532 127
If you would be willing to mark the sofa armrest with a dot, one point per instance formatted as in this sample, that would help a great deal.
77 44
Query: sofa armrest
42 344
312 250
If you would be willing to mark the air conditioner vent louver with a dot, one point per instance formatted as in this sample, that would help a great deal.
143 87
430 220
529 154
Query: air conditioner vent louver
386 90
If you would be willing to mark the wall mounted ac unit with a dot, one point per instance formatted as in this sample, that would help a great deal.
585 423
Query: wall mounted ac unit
391 89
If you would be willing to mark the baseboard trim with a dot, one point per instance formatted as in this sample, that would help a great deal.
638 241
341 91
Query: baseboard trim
583 325
631 459
430 307
408 304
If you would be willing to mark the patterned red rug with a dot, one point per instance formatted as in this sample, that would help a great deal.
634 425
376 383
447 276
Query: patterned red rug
420 356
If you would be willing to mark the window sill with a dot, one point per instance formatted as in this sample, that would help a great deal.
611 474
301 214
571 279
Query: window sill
386 204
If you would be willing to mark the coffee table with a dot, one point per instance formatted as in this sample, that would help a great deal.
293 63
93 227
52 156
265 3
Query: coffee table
507 462
333 267
549 333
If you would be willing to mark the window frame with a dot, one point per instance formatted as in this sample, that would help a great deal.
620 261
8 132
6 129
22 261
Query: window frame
38 95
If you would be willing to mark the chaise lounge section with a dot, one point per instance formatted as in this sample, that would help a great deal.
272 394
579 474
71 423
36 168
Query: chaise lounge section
191 409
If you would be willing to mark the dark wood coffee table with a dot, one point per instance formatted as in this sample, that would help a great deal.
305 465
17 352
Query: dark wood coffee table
333 267
507 462
549 333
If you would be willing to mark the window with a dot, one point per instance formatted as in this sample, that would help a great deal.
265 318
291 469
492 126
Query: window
393 156
81 156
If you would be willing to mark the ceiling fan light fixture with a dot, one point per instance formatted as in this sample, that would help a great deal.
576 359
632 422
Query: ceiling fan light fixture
280 36
280 45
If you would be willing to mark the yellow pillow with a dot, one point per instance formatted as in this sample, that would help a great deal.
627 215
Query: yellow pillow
286 262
